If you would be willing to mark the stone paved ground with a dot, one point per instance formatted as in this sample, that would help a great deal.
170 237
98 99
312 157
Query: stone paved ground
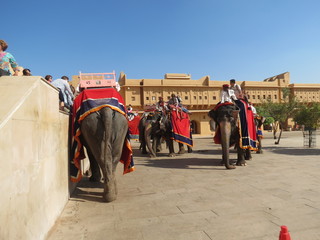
191 197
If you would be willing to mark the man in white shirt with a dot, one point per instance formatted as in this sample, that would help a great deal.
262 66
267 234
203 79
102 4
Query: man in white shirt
236 88
227 95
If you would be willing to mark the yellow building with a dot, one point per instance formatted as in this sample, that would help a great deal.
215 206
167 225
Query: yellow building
201 95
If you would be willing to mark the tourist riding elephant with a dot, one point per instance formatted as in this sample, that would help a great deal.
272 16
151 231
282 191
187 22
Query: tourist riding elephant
226 118
103 135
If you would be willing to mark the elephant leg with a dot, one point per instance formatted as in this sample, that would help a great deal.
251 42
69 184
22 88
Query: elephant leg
156 144
171 148
190 149
95 169
241 156
181 149
248 154
143 148
159 147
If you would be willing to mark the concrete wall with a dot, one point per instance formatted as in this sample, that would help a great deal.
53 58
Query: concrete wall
33 158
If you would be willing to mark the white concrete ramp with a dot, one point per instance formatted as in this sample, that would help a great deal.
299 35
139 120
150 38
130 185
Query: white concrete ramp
33 157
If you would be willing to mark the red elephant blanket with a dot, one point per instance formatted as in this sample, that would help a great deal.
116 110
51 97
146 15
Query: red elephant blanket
134 128
181 127
87 102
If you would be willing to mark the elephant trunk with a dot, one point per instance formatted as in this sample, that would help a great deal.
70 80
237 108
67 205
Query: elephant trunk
147 135
225 130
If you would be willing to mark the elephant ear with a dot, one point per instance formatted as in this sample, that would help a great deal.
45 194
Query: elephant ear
213 115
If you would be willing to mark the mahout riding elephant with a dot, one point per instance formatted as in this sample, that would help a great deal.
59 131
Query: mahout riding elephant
226 117
259 120
103 134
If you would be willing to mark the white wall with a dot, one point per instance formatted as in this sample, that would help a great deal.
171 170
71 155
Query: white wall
33 158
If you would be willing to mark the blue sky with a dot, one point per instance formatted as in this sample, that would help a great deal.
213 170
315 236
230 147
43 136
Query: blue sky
248 40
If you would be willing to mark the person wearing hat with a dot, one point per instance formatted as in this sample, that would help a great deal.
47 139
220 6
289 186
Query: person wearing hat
160 105
236 88
227 95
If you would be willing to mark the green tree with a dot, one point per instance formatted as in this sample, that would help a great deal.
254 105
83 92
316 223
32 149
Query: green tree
280 111
309 116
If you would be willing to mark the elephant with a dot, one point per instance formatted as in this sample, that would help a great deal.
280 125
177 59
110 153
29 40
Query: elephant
153 127
226 117
103 135
259 120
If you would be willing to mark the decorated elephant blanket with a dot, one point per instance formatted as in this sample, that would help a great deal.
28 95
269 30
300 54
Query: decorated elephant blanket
87 102
181 127
134 127
247 127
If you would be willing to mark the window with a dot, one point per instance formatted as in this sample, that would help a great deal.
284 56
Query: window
147 98
248 96
258 96
269 96
275 96
194 97
214 98
205 97
186 97
153 98
200 97
253 96
133 99
264 96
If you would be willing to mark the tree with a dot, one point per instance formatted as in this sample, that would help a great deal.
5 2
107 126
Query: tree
280 111
309 116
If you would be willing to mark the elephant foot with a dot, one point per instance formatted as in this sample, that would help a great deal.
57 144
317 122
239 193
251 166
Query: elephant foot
110 191
171 155
144 152
241 163
182 151
153 156
189 150
259 151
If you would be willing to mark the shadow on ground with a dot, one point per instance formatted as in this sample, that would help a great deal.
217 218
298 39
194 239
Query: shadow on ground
293 151
185 163
88 191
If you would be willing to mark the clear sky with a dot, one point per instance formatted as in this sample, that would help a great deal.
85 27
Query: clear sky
248 40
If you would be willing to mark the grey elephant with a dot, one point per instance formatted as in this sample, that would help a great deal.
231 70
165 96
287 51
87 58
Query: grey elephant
153 127
226 118
102 130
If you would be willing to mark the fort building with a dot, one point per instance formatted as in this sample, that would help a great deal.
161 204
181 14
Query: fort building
201 95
